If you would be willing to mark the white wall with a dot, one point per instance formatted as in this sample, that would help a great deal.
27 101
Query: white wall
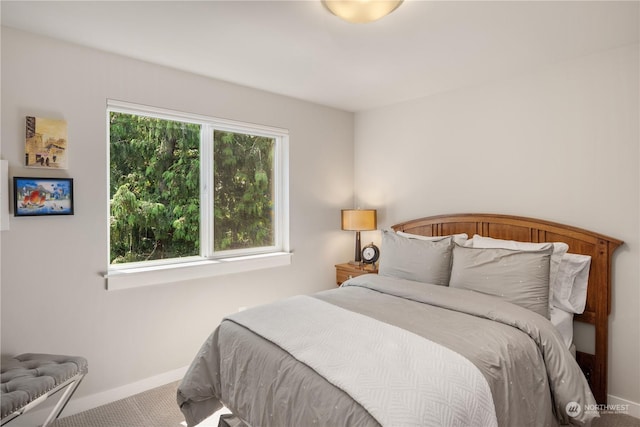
53 295
560 143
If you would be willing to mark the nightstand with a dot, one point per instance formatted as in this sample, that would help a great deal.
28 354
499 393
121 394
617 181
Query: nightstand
347 271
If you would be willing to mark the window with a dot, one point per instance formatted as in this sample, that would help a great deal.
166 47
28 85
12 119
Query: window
187 189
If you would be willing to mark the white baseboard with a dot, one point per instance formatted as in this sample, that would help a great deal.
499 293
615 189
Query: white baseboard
94 400
81 404
621 405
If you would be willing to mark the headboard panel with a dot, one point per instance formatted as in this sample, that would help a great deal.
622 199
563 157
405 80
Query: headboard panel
599 247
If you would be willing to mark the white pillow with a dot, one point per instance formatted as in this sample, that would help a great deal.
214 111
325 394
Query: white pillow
563 322
570 290
457 238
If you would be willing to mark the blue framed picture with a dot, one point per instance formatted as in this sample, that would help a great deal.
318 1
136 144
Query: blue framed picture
42 196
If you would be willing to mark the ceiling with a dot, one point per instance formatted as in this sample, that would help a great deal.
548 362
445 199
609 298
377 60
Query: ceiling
299 49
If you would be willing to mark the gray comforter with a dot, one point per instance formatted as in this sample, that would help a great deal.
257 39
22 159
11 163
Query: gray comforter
531 375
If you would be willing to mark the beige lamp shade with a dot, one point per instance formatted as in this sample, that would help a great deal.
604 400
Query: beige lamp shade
361 11
359 219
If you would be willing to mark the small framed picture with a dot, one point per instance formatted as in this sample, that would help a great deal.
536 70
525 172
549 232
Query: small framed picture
42 196
46 143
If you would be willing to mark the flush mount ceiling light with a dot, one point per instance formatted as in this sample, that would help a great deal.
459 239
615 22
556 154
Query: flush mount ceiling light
361 11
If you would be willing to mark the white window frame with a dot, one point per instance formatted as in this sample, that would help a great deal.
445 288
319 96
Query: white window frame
209 263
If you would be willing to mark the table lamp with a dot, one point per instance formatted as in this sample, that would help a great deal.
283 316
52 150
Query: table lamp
359 220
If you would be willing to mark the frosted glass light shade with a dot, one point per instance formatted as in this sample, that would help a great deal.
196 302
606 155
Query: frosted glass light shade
361 11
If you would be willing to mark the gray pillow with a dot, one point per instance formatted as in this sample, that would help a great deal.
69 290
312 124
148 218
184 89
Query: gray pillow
427 261
519 277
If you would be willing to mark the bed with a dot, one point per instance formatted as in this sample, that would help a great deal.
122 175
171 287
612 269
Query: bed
434 339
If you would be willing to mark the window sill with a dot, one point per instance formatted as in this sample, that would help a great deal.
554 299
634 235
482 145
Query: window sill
168 273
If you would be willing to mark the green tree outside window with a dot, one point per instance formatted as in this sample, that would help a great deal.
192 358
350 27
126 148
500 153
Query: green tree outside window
155 189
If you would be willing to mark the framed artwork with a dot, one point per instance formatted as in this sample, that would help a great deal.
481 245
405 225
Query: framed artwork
42 196
45 143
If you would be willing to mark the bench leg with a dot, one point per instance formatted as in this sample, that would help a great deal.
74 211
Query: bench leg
55 412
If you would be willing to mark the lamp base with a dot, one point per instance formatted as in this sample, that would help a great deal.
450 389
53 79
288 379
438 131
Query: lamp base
358 254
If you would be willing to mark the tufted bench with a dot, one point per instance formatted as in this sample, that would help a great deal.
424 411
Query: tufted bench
29 379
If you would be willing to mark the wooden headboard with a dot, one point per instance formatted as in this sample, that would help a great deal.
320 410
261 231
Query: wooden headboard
599 247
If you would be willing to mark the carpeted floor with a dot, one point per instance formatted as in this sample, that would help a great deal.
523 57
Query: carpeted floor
153 408
616 420
158 408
